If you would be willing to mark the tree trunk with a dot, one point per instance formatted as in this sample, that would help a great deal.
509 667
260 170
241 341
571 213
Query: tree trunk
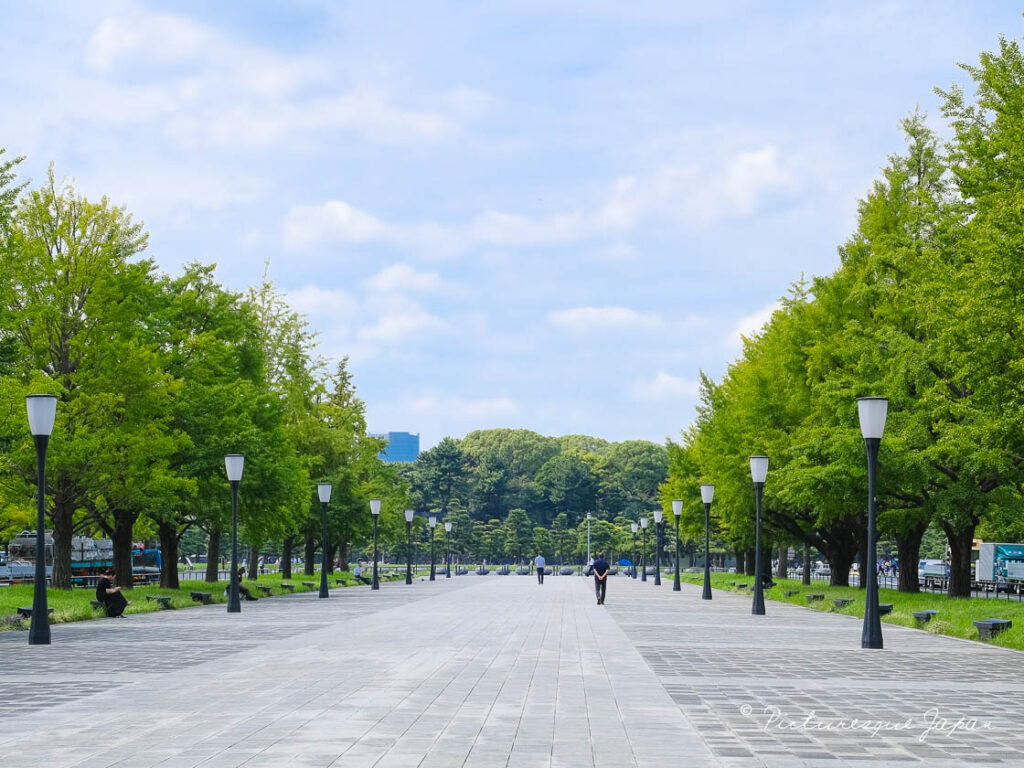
782 571
908 551
254 561
61 519
168 533
839 560
960 543
213 557
310 555
866 569
122 538
343 556
805 578
750 561
739 561
330 559
286 557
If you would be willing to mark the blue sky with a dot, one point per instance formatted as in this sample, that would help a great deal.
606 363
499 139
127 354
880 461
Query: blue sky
543 214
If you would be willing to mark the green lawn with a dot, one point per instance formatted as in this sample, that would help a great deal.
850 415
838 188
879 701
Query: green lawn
74 605
955 617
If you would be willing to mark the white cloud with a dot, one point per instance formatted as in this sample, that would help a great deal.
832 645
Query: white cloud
582 319
664 386
750 325
404 322
333 303
732 185
401 278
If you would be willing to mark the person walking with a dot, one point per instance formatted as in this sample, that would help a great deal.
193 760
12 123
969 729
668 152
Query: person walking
539 562
601 570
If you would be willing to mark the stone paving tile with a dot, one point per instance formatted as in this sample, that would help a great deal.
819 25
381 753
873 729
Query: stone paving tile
451 673
748 683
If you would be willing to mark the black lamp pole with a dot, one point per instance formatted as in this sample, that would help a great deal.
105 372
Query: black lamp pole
375 511
324 492
872 412
707 493
634 527
677 510
42 411
448 551
659 526
408 546
433 522
643 555
758 471
234 603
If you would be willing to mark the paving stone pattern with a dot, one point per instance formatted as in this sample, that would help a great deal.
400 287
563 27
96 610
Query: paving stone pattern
776 690
499 671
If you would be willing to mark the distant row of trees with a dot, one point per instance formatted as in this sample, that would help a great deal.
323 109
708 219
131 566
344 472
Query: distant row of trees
927 309
490 472
158 377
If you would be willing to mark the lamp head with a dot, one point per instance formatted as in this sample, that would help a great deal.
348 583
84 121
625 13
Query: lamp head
707 493
42 412
758 468
643 522
409 515
588 515
374 507
323 490
433 521
447 526
677 507
872 412
658 514
233 463
634 526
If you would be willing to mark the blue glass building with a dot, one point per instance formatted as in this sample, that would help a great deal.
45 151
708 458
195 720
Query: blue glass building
402 446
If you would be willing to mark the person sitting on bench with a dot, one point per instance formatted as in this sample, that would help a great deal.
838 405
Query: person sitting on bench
358 573
243 590
113 601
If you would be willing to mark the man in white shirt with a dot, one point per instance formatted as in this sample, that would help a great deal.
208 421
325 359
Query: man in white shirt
539 562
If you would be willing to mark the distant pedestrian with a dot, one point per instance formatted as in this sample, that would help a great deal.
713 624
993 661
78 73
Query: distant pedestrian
358 573
113 601
540 563
601 569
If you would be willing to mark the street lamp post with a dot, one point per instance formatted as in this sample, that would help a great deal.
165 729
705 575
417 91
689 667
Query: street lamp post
634 526
409 514
233 464
588 538
659 528
707 494
448 549
872 412
375 511
433 523
643 555
42 412
758 473
677 510
324 492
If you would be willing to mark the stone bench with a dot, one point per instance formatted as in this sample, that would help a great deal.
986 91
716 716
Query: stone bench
340 582
791 593
482 571
923 617
989 628
884 608
164 600
26 612
264 589
814 597
289 587
202 597
842 602
567 571
309 584
742 586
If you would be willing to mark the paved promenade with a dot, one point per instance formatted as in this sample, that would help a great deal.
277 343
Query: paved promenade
498 671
